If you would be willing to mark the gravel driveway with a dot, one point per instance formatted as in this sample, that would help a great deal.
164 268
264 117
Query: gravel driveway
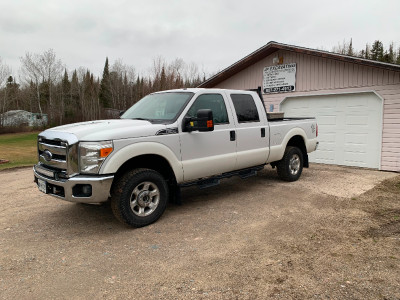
330 235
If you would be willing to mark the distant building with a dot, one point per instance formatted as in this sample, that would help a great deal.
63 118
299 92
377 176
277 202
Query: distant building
23 118
111 113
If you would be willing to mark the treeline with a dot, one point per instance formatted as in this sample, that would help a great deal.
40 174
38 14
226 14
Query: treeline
375 51
45 86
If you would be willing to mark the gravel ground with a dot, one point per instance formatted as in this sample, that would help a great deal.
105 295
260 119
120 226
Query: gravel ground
334 234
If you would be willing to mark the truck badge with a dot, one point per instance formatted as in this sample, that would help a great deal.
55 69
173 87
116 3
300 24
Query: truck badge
47 155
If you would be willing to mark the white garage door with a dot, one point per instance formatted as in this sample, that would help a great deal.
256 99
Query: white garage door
349 126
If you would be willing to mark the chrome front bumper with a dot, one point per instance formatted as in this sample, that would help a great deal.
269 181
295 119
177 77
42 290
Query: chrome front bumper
68 189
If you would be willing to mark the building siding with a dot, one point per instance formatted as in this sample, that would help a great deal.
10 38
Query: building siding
318 76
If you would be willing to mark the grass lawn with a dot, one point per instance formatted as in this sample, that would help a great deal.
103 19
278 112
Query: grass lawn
19 148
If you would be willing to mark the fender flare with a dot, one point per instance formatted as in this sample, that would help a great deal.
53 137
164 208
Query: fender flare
117 159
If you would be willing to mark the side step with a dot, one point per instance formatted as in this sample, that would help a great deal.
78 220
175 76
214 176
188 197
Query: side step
215 180
203 184
247 174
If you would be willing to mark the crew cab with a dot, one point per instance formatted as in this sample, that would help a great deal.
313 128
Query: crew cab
168 140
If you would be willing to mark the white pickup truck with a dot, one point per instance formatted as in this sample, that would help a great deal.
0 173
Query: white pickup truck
169 140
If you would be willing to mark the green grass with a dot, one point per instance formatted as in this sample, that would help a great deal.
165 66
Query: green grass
19 148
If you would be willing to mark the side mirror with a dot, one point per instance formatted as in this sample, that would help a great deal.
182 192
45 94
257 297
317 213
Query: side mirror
203 122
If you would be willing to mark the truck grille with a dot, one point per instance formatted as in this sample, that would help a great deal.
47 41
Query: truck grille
53 154
58 154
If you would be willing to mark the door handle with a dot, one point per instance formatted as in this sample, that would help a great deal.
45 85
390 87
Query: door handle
262 132
233 135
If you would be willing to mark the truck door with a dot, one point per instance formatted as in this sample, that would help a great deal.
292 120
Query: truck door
252 132
209 153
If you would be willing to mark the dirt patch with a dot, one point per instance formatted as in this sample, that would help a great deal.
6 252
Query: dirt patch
258 238
383 205
341 181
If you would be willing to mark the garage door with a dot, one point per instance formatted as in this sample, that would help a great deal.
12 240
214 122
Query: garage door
350 127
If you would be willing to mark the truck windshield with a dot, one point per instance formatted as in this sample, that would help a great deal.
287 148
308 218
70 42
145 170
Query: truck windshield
158 108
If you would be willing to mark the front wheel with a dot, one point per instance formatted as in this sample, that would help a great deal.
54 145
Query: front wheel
291 165
139 197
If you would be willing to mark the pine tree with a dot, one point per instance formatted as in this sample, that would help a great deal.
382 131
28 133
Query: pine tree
163 80
398 57
125 93
391 55
105 89
350 50
11 93
65 96
137 90
66 85
74 110
367 52
377 51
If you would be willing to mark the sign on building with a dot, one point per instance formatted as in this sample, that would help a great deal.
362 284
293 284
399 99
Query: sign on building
280 78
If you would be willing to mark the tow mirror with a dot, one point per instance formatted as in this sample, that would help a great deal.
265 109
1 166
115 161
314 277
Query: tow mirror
203 122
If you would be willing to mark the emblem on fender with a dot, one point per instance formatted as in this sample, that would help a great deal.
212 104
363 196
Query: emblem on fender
312 128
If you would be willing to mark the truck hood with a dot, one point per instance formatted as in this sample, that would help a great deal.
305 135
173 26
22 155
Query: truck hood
108 129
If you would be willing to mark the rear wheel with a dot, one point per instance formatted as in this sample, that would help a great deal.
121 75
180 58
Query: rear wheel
139 197
290 166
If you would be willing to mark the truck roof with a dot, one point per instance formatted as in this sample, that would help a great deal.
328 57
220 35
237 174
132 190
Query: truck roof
196 90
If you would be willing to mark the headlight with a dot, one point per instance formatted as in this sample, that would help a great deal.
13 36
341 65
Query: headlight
92 155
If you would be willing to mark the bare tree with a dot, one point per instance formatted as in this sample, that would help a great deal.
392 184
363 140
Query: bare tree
42 71
32 74
122 78
341 48
5 71
51 69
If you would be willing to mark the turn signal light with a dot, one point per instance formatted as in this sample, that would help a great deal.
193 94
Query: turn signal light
209 123
104 152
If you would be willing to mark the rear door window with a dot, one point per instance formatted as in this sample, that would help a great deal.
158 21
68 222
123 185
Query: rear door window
246 109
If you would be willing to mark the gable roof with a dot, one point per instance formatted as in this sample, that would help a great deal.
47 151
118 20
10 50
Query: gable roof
272 47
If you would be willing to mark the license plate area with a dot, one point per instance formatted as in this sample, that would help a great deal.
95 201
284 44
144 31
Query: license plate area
42 185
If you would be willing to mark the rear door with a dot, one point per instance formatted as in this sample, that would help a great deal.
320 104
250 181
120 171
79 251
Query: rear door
209 153
252 134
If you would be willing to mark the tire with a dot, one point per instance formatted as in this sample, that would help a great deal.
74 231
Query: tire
291 165
139 197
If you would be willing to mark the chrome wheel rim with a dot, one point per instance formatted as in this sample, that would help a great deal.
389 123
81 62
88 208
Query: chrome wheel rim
294 164
145 198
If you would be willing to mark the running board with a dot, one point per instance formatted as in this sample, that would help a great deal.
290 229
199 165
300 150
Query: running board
215 180
203 184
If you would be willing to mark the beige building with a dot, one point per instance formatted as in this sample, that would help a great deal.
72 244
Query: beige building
356 101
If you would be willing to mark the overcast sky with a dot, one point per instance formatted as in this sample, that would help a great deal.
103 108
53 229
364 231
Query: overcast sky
213 34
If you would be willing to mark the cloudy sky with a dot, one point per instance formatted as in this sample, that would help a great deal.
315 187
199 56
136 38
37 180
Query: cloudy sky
212 34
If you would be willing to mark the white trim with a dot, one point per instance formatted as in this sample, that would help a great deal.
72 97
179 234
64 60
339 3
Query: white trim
331 94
